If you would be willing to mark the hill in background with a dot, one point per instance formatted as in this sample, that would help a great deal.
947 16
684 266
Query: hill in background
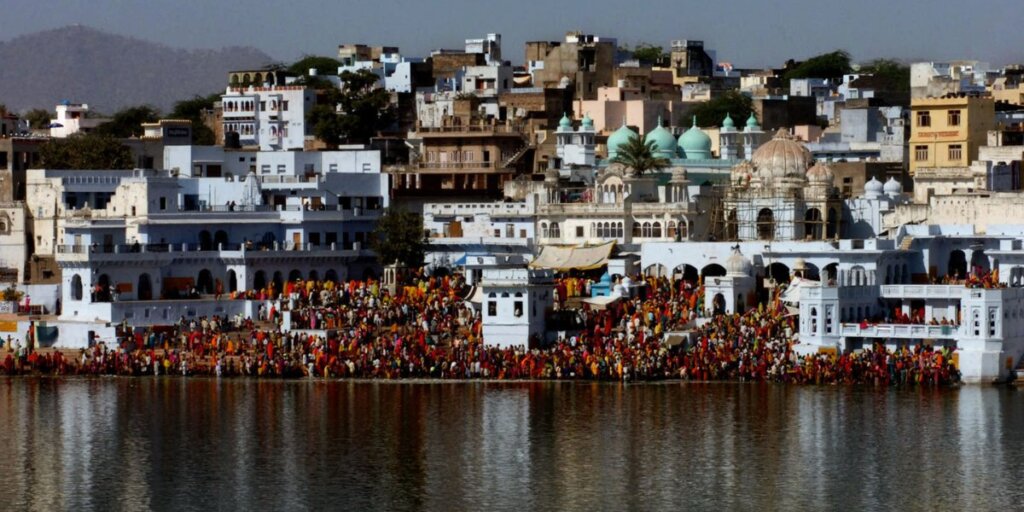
109 72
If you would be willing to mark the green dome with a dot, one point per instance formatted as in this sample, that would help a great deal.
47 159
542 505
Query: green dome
664 142
752 122
618 138
565 124
696 144
728 123
588 123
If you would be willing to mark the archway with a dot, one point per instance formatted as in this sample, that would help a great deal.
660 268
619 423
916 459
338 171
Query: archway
278 282
232 281
779 272
957 265
259 281
205 241
687 273
812 272
813 224
718 304
314 275
331 276
76 287
145 288
220 239
713 270
295 275
765 224
268 240
204 283
731 226
832 224
831 271
979 262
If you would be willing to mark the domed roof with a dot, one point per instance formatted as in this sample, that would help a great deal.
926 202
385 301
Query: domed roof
696 144
892 187
618 138
564 124
728 123
752 122
820 173
781 157
664 142
588 123
737 264
873 188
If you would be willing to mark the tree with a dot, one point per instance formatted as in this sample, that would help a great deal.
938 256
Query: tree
732 103
38 118
323 65
354 113
638 156
831 65
399 236
193 110
127 122
85 151
890 74
650 54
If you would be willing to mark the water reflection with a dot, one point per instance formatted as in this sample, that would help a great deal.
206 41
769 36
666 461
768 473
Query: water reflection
172 444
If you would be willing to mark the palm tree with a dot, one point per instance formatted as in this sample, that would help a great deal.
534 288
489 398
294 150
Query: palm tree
639 156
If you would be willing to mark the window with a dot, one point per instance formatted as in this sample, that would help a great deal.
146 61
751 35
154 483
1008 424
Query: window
284 105
956 152
518 308
280 169
920 153
924 119
497 233
579 231
265 169
522 233
492 308
953 118
332 167
556 231
163 203
263 105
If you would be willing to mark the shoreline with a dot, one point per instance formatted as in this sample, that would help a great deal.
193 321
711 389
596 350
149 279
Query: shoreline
423 381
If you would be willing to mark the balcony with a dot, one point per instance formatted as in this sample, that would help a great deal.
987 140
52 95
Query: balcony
167 254
900 331
922 291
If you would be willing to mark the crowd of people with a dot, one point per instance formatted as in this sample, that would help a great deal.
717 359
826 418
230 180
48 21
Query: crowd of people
426 329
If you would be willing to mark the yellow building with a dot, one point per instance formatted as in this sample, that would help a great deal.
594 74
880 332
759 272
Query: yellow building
946 132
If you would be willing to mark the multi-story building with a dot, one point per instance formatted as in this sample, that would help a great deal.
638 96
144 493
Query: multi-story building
269 118
585 61
947 132
73 118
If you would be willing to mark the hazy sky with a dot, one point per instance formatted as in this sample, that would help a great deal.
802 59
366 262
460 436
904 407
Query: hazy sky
747 33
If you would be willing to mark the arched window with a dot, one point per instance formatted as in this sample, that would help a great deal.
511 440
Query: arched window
637 229
619 231
543 229
76 287
671 229
765 224
656 230
556 232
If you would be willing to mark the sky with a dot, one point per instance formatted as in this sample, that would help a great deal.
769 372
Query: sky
747 33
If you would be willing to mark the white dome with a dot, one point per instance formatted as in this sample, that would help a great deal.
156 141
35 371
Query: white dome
737 264
892 187
873 188
820 173
781 157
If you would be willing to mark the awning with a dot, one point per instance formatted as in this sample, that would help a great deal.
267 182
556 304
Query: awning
562 258
477 295
602 302
792 294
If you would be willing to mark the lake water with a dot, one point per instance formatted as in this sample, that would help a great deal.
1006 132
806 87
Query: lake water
176 444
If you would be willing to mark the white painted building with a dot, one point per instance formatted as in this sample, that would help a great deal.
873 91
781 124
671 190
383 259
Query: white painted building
515 303
270 118
73 118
